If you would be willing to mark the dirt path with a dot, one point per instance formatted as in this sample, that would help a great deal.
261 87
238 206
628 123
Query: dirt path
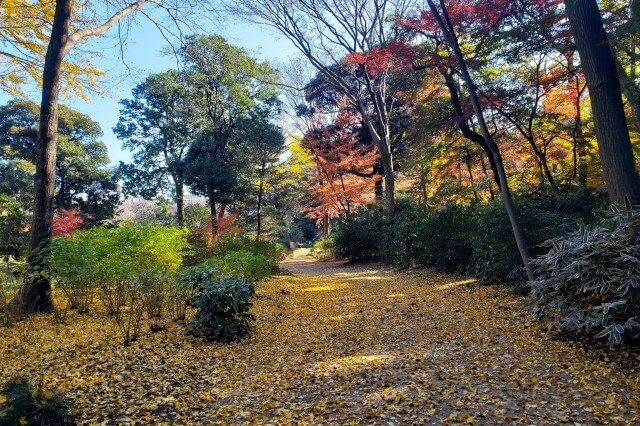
337 344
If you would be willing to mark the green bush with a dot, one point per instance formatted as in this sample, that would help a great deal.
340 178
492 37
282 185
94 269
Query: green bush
233 242
324 249
255 267
361 237
130 265
27 406
222 306
590 280
435 239
475 239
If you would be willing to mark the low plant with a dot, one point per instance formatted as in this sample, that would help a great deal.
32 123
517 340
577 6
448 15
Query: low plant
255 267
125 304
223 308
25 405
11 277
590 280
231 242
362 236
324 249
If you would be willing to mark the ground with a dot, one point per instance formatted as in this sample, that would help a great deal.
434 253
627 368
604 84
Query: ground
337 344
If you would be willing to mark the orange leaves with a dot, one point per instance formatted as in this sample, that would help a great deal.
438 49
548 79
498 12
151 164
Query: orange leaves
67 220
344 163
397 56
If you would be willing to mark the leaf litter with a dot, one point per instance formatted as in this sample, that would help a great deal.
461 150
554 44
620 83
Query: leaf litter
335 344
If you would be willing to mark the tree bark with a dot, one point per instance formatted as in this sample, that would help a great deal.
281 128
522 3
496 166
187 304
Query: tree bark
213 212
179 201
35 294
263 167
630 90
616 155
448 30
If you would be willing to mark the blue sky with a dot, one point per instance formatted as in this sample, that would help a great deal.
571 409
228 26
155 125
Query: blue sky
143 55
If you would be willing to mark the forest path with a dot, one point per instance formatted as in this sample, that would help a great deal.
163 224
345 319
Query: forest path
341 344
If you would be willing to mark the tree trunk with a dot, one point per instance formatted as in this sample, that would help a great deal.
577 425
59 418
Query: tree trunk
492 196
616 156
260 192
179 201
452 40
35 294
630 90
213 212
552 181
325 224
389 178
378 189
467 160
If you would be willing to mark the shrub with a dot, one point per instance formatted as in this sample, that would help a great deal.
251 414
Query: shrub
590 280
72 262
26 406
130 264
324 249
272 250
223 307
255 267
11 277
361 237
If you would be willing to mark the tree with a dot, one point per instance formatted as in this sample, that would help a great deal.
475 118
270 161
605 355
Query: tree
614 144
83 177
345 166
355 38
262 142
158 125
228 84
446 26
69 27
25 27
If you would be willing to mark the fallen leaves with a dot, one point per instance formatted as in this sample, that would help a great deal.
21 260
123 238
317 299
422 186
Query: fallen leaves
346 346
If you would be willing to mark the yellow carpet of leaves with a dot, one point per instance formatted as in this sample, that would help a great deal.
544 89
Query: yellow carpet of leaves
338 345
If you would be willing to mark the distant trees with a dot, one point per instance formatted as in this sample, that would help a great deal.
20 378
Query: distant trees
208 127
353 45
159 125
84 179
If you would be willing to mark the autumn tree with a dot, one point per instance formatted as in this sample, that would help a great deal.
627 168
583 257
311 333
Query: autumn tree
354 37
345 166
158 125
446 26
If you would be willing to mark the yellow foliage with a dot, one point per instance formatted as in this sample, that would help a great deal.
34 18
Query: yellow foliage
351 353
25 27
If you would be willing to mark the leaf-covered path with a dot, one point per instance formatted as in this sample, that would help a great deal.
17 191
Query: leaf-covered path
340 345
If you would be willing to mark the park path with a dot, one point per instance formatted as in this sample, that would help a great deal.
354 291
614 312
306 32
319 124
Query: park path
342 344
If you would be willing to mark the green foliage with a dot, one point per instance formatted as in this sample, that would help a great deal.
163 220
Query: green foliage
361 237
437 239
270 249
131 266
324 249
83 176
33 407
223 307
255 267
474 239
13 224
590 280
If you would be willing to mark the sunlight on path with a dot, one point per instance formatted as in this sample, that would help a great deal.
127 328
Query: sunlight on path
339 344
